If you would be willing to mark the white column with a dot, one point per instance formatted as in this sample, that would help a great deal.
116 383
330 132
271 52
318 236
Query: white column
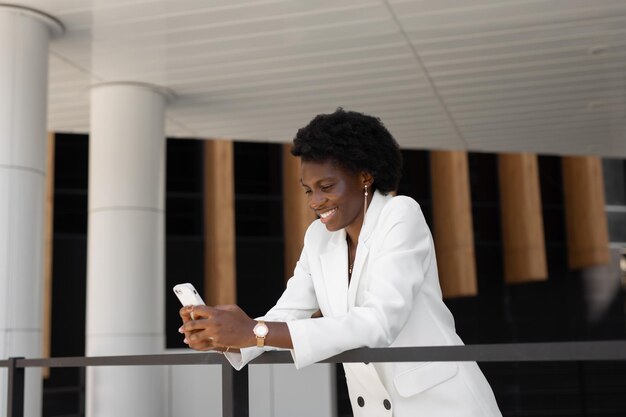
125 273
24 38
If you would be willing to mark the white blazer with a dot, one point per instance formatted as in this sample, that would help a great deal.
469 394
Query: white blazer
393 299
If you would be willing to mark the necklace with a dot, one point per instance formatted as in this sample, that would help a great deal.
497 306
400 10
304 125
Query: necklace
350 262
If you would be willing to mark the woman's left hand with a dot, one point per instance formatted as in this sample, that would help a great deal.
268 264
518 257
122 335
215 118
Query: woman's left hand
217 328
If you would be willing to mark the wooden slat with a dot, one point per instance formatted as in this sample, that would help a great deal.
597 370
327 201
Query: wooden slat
587 229
522 219
297 216
48 251
220 279
452 216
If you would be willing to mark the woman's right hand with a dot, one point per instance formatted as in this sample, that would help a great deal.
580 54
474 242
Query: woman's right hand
223 327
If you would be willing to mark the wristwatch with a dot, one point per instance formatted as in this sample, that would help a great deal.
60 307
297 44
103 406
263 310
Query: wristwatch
260 331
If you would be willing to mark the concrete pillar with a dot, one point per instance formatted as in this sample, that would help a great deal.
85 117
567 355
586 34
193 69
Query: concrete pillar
125 267
24 38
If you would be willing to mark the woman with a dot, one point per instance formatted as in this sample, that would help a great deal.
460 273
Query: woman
368 265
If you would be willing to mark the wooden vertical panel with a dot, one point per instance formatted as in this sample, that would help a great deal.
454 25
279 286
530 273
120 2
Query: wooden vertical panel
297 216
220 279
522 219
585 216
453 229
47 253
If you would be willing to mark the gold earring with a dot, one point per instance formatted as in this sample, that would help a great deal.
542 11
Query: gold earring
365 201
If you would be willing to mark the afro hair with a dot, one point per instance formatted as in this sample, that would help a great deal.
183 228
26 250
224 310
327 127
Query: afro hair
355 141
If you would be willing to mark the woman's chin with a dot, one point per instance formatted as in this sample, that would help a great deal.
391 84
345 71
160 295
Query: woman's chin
331 227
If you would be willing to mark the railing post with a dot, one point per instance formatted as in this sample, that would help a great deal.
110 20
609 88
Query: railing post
235 400
82 371
228 403
15 389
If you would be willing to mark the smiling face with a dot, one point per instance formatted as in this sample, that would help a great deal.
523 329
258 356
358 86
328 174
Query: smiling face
335 194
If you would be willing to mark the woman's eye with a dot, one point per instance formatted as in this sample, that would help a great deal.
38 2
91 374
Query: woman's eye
326 188
307 192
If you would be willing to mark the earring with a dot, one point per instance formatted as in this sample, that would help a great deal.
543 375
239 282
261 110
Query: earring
365 201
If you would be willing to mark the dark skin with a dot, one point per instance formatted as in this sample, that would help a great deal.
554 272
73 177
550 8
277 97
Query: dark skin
335 190
336 196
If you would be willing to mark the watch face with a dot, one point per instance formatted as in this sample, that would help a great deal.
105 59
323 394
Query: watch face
260 330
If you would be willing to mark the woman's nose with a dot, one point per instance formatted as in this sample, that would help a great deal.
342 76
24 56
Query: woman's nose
316 200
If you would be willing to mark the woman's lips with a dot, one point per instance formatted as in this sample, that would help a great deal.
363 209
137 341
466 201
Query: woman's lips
327 215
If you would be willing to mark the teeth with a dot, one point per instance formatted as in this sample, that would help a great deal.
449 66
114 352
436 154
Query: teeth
328 213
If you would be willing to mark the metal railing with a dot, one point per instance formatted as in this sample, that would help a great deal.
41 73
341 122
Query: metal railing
515 352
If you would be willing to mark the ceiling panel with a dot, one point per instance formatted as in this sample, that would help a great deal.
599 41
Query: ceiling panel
486 75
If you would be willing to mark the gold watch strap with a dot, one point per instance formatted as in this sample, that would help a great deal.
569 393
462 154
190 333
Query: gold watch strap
260 341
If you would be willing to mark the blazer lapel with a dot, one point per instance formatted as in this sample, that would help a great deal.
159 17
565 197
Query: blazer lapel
362 250
334 263
359 262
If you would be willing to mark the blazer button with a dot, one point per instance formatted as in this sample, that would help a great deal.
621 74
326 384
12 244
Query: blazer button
360 401
387 405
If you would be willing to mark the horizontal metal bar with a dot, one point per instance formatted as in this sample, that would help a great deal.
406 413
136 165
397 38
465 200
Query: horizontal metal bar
131 360
509 352
62 390
517 352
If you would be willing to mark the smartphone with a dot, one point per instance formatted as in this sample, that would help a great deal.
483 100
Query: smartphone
188 295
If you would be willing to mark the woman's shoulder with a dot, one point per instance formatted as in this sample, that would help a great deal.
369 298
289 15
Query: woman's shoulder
401 205
404 211
316 232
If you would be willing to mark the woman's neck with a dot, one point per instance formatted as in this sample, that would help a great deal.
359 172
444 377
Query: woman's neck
354 230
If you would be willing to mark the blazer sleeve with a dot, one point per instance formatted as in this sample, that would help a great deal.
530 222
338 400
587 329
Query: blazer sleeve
397 273
297 302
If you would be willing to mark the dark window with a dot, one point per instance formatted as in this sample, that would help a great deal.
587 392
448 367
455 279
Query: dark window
259 225
184 227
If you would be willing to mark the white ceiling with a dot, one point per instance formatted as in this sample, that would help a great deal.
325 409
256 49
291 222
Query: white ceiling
546 76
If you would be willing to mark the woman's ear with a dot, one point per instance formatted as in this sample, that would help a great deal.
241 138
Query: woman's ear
367 179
